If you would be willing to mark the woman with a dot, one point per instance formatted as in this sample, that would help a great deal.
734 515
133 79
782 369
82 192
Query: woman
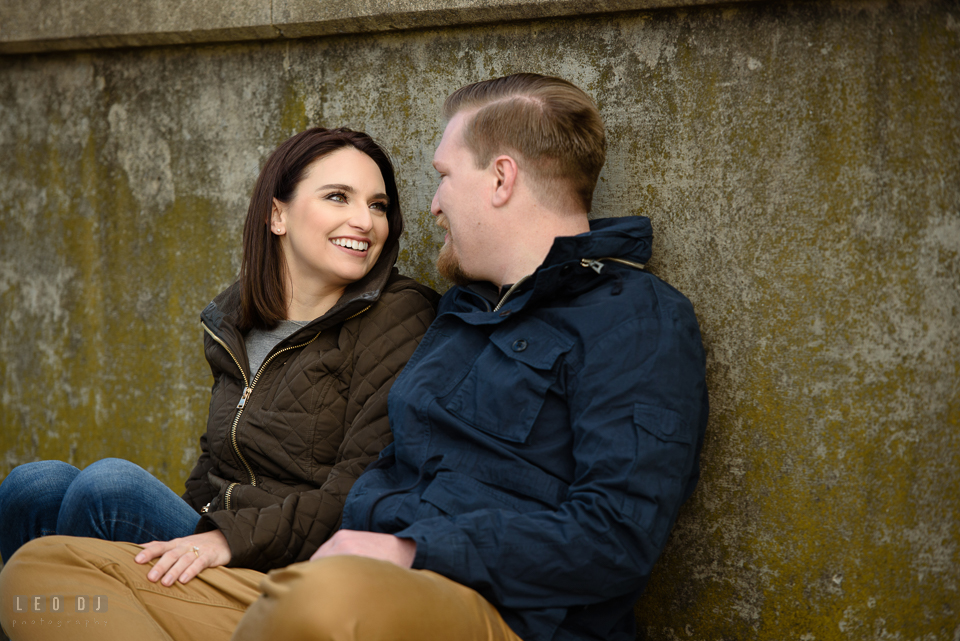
303 349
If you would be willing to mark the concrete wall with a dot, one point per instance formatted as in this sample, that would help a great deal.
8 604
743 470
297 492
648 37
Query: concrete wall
800 163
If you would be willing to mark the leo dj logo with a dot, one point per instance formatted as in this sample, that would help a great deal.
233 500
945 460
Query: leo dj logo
59 604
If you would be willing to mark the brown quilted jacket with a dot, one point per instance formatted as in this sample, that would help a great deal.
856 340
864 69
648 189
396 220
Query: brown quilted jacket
276 468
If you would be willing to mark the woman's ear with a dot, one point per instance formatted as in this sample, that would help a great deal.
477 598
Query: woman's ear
278 218
505 170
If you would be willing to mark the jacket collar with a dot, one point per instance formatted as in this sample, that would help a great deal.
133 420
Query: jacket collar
628 238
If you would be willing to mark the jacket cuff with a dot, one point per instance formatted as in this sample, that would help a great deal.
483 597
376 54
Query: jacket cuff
206 524
449 558
223 520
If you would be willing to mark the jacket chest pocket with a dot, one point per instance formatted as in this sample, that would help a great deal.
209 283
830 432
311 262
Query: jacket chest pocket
503 392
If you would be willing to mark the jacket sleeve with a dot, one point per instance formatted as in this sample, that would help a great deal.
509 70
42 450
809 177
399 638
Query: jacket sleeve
293 527
198 490
638 408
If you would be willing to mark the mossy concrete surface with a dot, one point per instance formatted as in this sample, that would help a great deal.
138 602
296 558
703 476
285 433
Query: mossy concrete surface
800 163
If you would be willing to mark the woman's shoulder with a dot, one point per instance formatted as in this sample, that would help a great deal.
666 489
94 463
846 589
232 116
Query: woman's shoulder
401 289
403 304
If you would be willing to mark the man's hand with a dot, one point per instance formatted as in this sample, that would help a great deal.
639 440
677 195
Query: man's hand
179 561
385 547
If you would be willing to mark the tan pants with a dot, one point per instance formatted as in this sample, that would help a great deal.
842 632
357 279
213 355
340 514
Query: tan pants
338 599
207 608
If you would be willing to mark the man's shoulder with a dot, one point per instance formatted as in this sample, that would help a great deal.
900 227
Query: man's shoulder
622 292
627 312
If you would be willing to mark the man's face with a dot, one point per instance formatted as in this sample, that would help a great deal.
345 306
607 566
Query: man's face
460 207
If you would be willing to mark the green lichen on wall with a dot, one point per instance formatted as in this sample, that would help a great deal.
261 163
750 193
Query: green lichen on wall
293 111
110 252
801 166
834 422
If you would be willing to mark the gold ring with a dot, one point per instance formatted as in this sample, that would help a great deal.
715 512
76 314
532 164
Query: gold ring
196 551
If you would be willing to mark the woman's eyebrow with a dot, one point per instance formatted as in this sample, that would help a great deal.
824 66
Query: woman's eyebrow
340 187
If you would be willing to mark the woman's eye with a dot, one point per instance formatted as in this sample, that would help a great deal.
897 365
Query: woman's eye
379 207
338 197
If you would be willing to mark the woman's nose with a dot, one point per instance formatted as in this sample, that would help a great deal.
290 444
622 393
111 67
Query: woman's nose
361 218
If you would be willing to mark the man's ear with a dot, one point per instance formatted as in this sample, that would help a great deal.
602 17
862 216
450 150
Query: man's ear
278 218
505 170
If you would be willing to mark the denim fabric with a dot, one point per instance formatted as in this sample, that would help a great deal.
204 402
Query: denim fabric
112 499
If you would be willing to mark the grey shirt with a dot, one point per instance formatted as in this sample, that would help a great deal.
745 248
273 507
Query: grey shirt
259 342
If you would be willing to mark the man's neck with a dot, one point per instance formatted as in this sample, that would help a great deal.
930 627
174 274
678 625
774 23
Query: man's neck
532 248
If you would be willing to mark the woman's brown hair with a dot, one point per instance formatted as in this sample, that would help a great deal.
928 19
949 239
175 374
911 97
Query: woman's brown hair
263 270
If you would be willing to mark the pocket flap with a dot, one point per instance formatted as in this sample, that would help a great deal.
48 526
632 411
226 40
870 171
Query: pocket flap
532 342
663 423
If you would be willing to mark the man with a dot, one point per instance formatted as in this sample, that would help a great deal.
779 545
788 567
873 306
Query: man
547 428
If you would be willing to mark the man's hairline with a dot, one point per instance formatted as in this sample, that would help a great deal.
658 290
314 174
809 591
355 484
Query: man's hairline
470 112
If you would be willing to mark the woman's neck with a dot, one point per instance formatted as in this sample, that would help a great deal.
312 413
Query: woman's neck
305 304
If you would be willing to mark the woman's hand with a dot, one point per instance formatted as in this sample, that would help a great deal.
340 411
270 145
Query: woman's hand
183 559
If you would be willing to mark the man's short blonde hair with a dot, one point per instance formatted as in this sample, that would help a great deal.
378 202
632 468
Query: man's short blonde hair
551 124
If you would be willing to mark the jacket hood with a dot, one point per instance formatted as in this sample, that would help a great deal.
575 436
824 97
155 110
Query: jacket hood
356 297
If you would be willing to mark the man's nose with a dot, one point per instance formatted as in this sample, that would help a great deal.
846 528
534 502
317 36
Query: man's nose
435 204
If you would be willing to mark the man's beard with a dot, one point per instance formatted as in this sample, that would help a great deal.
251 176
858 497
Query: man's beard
448 264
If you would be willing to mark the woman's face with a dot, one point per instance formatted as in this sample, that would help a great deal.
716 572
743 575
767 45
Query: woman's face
335 226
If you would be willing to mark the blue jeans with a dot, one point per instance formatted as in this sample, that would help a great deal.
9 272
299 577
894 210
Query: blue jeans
112 499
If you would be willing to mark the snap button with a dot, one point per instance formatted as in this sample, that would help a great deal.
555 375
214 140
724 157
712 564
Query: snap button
519 345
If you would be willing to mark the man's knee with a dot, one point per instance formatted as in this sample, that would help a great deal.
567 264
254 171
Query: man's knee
342 583
319 600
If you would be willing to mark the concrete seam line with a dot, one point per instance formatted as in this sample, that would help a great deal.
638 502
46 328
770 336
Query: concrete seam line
21 36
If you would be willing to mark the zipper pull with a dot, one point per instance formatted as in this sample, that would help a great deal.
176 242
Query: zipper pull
595 265
243 399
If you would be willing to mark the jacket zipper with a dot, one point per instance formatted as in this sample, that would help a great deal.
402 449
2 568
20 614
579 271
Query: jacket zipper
596 265
593 263
247 388
247 391
510 291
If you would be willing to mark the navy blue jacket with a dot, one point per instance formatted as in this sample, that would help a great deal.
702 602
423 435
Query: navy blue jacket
543 449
